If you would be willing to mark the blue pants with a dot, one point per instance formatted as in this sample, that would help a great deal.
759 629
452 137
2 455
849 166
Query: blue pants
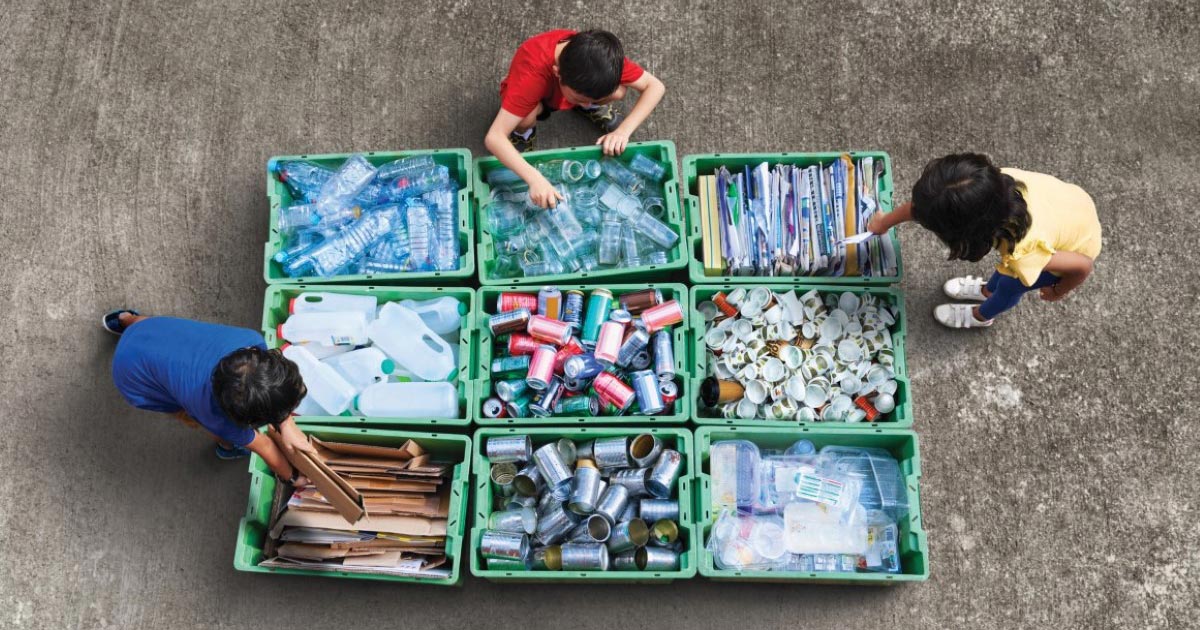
1007 291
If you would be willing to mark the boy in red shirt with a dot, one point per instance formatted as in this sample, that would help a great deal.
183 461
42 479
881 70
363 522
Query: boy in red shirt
560 70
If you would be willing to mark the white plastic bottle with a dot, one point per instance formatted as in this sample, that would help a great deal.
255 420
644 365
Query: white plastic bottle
319 302
442 315
401 334
325 385
409 400
322 351
308 407
362 367
341 328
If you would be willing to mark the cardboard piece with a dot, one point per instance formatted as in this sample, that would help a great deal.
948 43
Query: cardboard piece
407 525
344 498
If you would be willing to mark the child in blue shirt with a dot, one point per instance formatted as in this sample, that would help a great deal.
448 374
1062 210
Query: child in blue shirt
220 377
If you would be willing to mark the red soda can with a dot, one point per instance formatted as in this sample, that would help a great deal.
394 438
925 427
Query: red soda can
670 393
662 316
509 301
520 343
608 346
549 330
569 349
613 390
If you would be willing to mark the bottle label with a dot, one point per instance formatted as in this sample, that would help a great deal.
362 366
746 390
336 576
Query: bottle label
341 340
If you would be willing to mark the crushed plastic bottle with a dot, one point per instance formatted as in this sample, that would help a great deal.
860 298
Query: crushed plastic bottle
345 184
334 254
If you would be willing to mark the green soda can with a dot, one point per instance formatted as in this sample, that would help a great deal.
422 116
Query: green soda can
519 407
578 406
599 303
510 366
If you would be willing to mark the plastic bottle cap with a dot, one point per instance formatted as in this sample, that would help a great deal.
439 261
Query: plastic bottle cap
453 373
388 366
284 347
462 309
279 331
292 306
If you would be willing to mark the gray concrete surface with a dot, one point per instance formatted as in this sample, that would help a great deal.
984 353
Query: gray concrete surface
1060 447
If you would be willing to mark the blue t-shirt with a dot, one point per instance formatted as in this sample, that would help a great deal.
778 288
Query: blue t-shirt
166 364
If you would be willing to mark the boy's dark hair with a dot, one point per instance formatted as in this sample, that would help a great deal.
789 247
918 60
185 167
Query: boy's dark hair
591 63
970 205
256 387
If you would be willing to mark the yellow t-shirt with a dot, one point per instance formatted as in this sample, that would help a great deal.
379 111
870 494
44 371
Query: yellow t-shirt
1063 219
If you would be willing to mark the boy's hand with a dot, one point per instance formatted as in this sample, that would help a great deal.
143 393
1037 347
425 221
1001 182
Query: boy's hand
301 482
293 439
1053 294
614 142
543 193
876 224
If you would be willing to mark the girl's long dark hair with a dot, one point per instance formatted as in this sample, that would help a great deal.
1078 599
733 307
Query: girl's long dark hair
970 205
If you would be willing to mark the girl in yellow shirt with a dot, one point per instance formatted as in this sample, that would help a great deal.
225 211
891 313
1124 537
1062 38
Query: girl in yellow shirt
1045 229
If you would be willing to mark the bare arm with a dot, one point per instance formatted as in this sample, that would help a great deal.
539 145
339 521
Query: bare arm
651 91
1072 268
881 222
266 448
541 191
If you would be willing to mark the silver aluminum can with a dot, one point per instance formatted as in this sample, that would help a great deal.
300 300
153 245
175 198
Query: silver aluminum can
664 355
666 471
645 386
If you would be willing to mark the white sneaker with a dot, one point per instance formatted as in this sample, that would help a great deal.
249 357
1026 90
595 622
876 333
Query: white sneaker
965 288
958 316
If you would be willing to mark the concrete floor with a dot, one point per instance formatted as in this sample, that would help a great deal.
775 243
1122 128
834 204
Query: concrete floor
1060 447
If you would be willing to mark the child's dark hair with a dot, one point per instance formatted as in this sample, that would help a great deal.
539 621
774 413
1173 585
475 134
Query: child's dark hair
591 63
256 387
970 205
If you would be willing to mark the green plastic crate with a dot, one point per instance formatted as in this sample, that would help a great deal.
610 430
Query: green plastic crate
707 164
459 163
663 151
901 417
902 444
486 299
672 437
252 531
275 312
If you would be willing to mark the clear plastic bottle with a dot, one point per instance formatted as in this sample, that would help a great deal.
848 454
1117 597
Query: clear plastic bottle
320 302
420 236
338 328
655 230
325 386
405 167
503 177
334 254
610 242
303 179
561 171
442 315
445 252
363 367
296 217
303 241
421 182
409 400
341 189
404 337
647 168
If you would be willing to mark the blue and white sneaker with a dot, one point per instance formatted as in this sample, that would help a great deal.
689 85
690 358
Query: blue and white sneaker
112 320
233 452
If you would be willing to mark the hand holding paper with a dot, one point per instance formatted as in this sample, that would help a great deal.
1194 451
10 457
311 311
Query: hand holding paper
861 237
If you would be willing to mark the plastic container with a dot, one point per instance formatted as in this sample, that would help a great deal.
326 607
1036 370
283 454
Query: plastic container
902 444
660 151
347 328
487 299
403 336
332 393
275 311
459 163
678 439
900 417
695 166
252 530
322 302
409 400
442 315
363 367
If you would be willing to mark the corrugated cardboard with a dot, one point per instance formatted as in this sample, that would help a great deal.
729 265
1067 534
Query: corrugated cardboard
344 498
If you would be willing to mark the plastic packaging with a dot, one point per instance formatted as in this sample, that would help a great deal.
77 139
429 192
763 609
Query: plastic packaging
332 256
734 466
345 184
404 337
319 302
338 328
363 367
409 400
325 386
442 315
882 480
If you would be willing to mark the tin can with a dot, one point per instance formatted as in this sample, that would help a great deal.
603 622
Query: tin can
578 406
573 309
634 343
519 406
549 303
613 391
584 449
584 557
582 367
657 559
520 343
654 510
663 316
550 463
506 545
670 393
510 389
628 536
546 401
645 387
637 301
509 448
599 304
509 301
664 533
510 366
509 322
662 476
520 521
593 529
608 346
554 525
631 512
585 490
566 450
664 355
517 501
528 481
624 561
547 558
502 476
613 502
505 564
644 449
541 367
569 349
549 330
634 480
610 452
493 408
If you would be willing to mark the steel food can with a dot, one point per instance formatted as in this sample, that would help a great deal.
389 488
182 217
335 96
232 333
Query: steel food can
550 462
634 479
654 510
528 481
554 525
610 452
612 502
585 490
662 476
504 545
593 529
584 557
509 448
628 536
644 449
657 559
518 521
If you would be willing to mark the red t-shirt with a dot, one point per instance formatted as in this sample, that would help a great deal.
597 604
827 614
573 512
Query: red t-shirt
531 79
